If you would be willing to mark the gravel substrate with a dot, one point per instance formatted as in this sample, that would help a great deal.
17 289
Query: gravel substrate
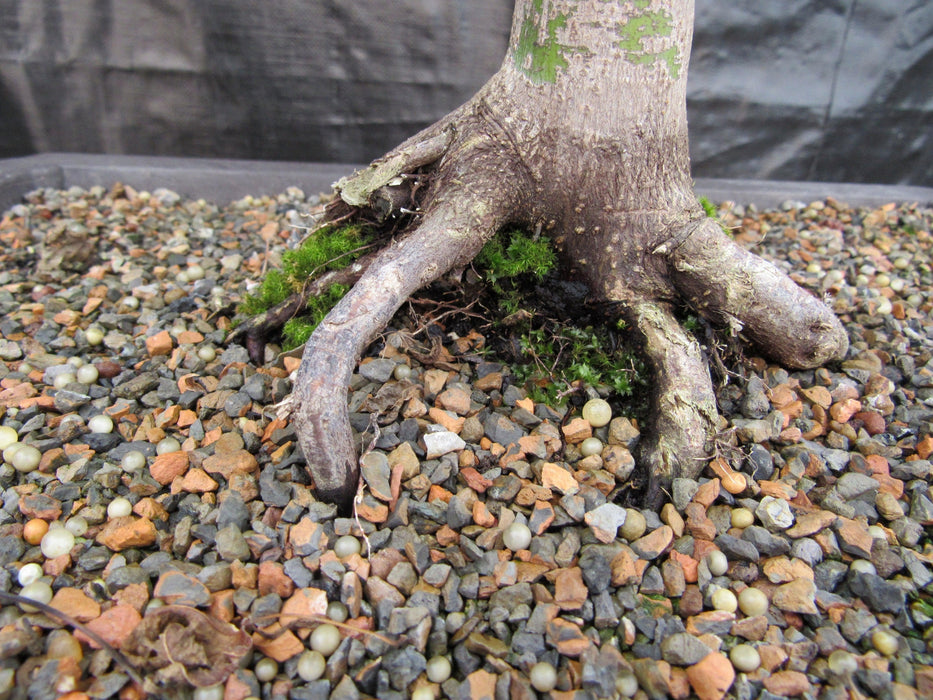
488 559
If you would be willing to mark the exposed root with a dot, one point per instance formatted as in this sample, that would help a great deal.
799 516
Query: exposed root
450 234
723 280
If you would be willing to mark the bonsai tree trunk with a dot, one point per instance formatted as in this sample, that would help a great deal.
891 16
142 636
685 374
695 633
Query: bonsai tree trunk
583 133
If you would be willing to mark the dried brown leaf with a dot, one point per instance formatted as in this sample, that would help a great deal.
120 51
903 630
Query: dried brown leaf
178 645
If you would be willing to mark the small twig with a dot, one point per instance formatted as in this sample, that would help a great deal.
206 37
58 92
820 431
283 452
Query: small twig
117 655
374 425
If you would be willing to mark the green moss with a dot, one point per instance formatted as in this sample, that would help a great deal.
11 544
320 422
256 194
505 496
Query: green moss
562 353
274 290
329 248
514 253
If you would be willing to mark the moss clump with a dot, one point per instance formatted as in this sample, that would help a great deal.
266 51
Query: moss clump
328 248
514 253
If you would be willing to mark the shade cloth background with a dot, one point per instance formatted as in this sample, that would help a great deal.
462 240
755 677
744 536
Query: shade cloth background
833 90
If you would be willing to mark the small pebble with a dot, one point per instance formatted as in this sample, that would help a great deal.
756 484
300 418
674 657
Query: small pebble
842 662
166 445
517 536
39 591
325 639
724 599
64 379
28 573
266 669
34 530
100 423
87 374
25 459
438 669
62 645
337 611
56 542
94 336
591 446
133 461
597 412
207 353
346 546
119 507
543 676
311 665
742 518
210 692
8 436
77 526
884 642
745 658
863 566
634 526
717 563
753 602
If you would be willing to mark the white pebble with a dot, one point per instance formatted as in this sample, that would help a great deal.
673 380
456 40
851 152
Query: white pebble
884 642
401 372
28 573
119 507
210 692
94 336
133 461
39 591
753 602
266 669
724 599
101 423
195 272
863 566
626 684
25 458
64 379
842 662
591 446
337 611
717 563
87 374
77 526
76 361
311 665
745 658
166 445
543 677
742 518
597 412
325 639
422 692
207 353
438 669
517 536
347 546
130 303
634 526
7 436
56 542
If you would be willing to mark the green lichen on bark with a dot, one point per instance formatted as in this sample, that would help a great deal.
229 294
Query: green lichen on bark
642 26
541 59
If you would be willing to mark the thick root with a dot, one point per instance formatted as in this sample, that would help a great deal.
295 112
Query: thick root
451 234
727 283
684 413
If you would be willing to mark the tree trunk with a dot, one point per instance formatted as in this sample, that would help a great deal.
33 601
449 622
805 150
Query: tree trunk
583 132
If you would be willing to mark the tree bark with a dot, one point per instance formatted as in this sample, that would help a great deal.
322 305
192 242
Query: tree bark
583 132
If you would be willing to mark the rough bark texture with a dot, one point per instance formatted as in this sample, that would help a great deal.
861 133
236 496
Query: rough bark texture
582 132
